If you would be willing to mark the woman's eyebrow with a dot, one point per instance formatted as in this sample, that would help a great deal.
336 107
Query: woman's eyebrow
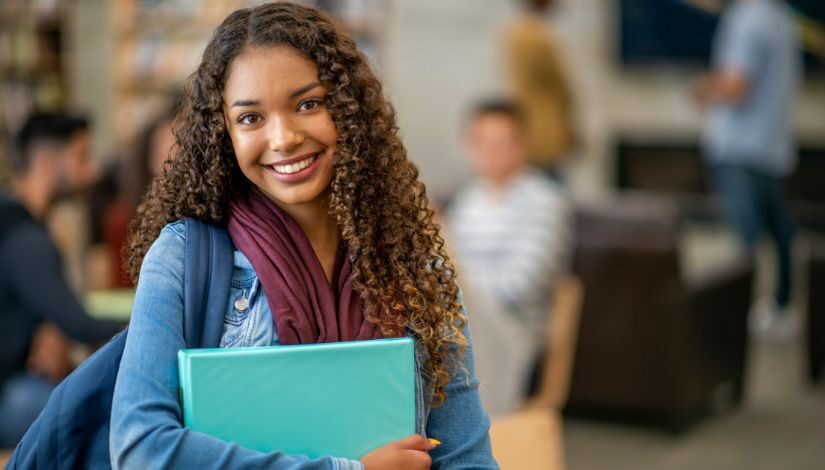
296 93
245 103
304 89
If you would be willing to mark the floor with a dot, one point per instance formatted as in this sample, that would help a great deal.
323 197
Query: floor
780 426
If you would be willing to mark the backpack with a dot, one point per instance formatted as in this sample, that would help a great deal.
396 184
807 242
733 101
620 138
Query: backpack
72 431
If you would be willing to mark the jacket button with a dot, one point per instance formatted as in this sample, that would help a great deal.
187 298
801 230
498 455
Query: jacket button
241 304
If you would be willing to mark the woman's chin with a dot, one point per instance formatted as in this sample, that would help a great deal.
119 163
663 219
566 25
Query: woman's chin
298 196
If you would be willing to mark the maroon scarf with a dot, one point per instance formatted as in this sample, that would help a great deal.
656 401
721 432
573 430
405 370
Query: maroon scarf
305 307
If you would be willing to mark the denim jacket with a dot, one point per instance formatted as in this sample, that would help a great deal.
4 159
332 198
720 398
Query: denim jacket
146 430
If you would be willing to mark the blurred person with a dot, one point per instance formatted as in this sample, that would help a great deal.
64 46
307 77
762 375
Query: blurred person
749 140
510 230
50 161
153 149
538 82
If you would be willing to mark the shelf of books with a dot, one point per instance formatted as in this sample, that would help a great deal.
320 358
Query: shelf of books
31 73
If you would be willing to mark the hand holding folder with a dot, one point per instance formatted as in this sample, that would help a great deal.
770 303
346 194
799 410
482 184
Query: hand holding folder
338 399
407 453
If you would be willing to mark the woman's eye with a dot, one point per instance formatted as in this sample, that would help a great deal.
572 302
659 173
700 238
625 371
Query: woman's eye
248 119
309 104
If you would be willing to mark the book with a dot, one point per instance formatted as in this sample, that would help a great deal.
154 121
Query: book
332 399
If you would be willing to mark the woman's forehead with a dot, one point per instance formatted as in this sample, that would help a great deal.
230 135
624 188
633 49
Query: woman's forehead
268 71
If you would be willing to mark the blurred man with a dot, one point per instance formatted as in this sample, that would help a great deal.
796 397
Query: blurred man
539 84
50 161
749 137
510 232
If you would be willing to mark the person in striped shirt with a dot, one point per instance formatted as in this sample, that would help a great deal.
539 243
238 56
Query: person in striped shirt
510 231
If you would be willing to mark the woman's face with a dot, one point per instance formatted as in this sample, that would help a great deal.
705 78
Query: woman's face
276 116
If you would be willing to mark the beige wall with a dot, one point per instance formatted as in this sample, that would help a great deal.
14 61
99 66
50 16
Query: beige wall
439 57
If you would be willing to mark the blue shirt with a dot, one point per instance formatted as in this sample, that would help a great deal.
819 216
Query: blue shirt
146 429
757 38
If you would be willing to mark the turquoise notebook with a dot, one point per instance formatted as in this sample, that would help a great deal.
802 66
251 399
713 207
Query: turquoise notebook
337 399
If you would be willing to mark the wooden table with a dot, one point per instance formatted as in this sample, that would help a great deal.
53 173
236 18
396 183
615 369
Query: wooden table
529 440
113 304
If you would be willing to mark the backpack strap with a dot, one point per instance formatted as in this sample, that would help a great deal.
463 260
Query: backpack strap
206 281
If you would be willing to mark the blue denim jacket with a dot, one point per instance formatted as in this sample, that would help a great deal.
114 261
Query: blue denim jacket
146 429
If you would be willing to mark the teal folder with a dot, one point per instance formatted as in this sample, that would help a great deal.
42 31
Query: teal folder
337 399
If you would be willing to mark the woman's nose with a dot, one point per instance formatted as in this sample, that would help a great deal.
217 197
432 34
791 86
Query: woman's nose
283 135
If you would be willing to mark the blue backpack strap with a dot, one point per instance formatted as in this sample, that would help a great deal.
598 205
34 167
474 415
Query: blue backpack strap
206 282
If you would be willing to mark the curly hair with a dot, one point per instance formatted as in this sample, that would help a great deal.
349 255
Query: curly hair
401 268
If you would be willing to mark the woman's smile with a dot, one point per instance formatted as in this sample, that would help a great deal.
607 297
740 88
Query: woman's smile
297 169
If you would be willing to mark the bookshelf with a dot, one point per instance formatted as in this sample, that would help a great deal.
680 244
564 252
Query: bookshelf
156 44
31 71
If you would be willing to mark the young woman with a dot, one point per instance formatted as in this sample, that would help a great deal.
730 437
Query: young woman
287 140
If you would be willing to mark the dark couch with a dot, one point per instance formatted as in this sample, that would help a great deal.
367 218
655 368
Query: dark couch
654 347
816 311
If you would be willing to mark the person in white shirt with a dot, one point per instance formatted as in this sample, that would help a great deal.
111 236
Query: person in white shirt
510 231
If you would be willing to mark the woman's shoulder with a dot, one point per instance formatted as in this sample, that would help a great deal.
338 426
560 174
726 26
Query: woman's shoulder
176 228
170 243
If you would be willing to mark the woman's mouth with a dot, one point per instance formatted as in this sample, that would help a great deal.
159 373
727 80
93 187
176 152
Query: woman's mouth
293 168
296 172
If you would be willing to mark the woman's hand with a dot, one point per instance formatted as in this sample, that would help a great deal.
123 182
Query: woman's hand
409 453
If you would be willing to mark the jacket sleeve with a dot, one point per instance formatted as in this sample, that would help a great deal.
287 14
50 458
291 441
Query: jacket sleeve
35 275
461 423
146 430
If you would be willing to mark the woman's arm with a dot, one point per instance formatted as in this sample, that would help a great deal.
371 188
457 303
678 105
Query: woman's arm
461 423
146 429
30 255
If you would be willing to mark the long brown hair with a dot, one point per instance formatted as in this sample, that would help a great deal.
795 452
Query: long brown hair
402 270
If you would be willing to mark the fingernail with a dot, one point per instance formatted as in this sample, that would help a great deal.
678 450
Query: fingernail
435 442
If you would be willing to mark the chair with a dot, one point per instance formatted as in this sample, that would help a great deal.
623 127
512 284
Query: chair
532 438
528 440
562 335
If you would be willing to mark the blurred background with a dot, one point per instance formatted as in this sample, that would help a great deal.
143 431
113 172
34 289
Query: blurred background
654 337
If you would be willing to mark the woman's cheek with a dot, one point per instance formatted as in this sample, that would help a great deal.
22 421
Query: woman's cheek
245 149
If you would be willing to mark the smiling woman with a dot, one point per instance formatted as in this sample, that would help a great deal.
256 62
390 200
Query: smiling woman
286 140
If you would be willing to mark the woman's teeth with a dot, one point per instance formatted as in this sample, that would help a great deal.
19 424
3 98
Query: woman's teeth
295 167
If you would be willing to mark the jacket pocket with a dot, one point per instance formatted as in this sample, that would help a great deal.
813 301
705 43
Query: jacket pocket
238 311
